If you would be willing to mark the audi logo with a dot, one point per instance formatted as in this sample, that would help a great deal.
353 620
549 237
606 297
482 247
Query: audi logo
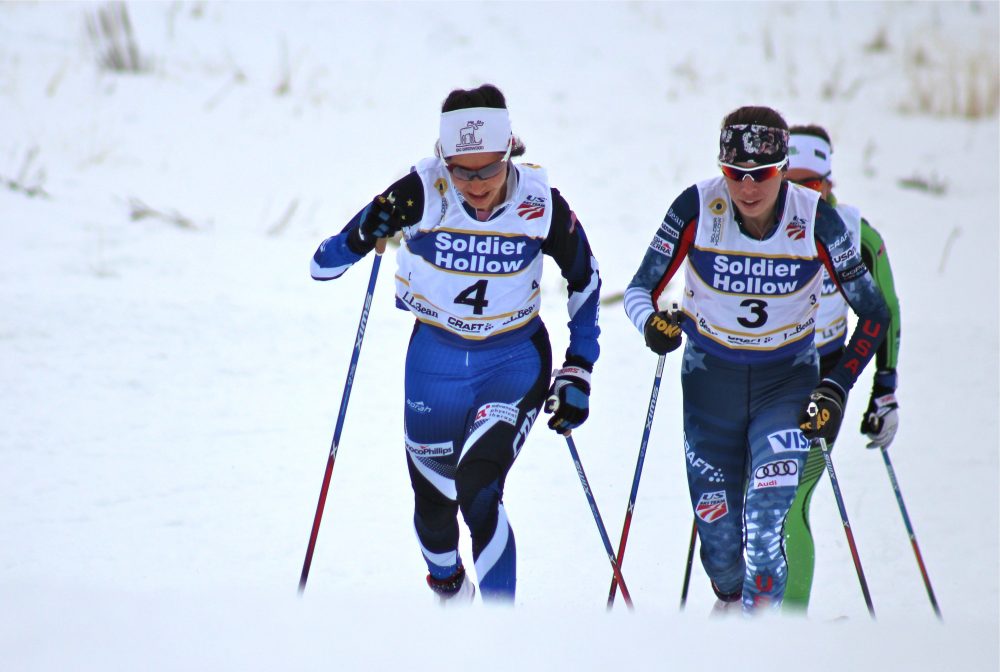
782 468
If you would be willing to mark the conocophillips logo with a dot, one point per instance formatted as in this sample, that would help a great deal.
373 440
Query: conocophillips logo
418 449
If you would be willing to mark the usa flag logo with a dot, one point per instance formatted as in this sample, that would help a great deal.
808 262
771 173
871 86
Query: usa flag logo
531 208
712 506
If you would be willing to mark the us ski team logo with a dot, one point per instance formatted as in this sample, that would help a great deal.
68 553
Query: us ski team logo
532 207
712 506
796 229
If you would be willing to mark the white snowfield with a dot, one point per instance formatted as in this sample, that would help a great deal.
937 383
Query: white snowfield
170 375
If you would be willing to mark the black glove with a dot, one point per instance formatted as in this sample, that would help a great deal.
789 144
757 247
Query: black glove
380 219
663 331
821 416
569 398
881 419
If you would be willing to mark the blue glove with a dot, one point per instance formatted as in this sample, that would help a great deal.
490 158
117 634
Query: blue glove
569 398
380 219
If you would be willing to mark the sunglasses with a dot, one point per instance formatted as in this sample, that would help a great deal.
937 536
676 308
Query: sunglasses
815 182
484 173
758 174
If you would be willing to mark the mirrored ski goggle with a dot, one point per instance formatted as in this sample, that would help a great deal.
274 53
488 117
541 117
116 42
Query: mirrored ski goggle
484 173
757 174
813 182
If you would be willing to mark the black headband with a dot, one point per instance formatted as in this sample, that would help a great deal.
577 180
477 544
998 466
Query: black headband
753 143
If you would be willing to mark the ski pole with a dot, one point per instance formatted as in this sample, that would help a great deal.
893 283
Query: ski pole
910 532
638 474
690 561
843 518
600 523
340 420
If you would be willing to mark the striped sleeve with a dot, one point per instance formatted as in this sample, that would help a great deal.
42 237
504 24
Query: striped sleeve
663 257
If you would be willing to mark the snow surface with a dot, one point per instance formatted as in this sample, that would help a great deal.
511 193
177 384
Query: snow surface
169 393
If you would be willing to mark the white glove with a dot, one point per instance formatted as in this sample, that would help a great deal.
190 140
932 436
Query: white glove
881 421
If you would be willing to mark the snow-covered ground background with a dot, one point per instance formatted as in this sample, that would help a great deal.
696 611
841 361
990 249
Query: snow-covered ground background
169 383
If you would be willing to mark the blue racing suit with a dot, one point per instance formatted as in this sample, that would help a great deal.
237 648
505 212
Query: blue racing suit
479 360
750 364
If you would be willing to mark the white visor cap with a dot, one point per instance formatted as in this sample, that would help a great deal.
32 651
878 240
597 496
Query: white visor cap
474 130
811 153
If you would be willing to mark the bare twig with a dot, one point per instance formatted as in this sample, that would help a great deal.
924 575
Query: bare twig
285 218
953 235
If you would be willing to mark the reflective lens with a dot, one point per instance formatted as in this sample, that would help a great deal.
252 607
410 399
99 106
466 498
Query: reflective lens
484 173
814 182
758 174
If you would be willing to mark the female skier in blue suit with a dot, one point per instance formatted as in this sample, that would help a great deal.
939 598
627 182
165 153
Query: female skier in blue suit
475 227
756 246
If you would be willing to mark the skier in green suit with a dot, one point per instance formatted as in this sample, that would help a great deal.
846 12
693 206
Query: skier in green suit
809 164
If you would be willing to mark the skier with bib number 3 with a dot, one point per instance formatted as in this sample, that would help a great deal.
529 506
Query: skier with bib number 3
475 226
756 247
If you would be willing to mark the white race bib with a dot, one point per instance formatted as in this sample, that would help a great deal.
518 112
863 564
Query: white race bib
475 279
749 295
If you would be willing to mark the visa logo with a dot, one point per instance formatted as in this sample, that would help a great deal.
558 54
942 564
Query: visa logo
788 440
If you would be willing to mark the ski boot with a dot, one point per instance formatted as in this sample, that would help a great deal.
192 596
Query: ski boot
456 589
726 604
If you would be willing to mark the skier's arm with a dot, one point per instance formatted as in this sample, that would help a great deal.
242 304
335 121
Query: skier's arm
881 419
663 257
338 253
567 244
846 267
877 260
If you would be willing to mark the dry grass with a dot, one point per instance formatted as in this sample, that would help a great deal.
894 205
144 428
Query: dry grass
30 178
879 43
138 211
931 184
611 298
111 34
951 82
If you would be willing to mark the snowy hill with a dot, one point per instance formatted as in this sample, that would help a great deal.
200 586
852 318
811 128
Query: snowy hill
171 375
